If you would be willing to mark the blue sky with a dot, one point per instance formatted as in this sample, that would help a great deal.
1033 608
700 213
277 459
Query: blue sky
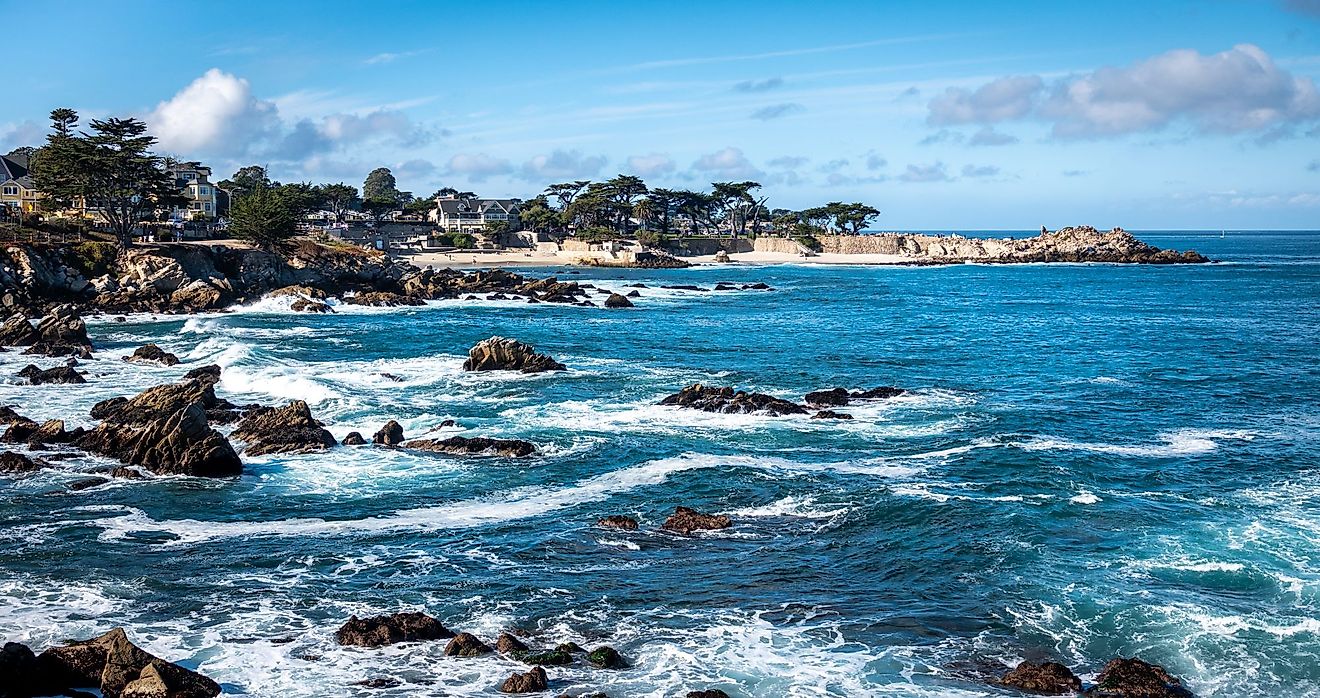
945 115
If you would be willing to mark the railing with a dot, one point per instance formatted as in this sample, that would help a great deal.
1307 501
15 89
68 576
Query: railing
34 236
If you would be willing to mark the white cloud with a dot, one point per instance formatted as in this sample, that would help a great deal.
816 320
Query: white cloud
651 165
999 100
215 113
21 134
774 111
478 166
875 162
561 165
989 136
934 172
729 163
788 161
979 170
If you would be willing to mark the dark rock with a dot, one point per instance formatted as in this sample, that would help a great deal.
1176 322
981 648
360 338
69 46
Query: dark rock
835 397
353 439
392 377
303 305
288 429
606 657
182 443
20 675
387 630
633 294
448 423
126 474
383 299
685 520
59 375
379 682
759 286
9 416
831 414
389 435
554 657
106 408
209 375
1133 678
501 354
123 670
626 523
1048 678
617 301
508 644
64 327
708 693
570 647
77 665
881 393
86 483
18 332
17 463
685 287
729 401
459 445
466 645
153 354
531 682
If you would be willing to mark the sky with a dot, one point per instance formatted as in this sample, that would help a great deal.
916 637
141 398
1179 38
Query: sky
943 115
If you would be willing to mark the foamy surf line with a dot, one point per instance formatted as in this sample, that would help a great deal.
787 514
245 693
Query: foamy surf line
1184 442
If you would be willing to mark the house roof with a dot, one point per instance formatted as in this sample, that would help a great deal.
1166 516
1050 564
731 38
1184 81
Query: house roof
454 207
15 167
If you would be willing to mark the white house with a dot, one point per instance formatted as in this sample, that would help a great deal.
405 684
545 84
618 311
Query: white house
473 215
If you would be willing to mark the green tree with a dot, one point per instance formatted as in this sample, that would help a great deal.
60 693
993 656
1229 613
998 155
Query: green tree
300 198
58 168
246 180
735 202
339 199
380 184
623 192
537 215
379 207
661 205
263 217
126 182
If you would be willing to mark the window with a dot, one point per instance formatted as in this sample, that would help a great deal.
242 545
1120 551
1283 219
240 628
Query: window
208 207
206 191
11 191
187 176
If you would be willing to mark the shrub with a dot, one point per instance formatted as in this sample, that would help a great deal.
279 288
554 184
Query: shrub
94 259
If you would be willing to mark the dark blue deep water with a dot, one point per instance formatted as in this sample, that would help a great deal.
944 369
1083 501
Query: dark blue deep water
1095 460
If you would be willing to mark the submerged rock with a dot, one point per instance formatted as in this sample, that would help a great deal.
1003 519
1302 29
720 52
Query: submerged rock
626 523
503 354
831 414
459 445
834 397
685 520
884 392
531 682
1133 678
730 401
288 429
387 630
708 693
466 645
150 353
303 305
617 301
1048 678
353 439
508 644
554 657
60 375
389 435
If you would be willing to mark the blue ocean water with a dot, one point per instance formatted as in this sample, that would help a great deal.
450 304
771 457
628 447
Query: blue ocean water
1095 461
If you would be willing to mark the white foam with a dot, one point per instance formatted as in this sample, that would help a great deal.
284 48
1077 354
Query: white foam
1184 442
1084 498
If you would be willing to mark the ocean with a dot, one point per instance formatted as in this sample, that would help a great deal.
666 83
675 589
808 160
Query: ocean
1093 461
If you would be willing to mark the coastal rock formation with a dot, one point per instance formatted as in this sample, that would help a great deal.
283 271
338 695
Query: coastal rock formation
729 401
884 392
306 306
1046 678
288 429
1133 678
685 520
152 354
389 435
606 657
478 445
209 375
160 401
383 299
64 375
62 332
466 645
19 464
503 354
387 630
708 693
508 644
531 682
181 443
617 301
835 397
558 656
18 332
119 669
353 439
831 414
625 523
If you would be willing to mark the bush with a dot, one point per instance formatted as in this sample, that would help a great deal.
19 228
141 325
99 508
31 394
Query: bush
596 234
94 259
650 238
462 241
809 241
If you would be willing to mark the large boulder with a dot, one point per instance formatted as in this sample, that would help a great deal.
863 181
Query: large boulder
18 464
1133 678
618 301
1047 678
533 681
479 445
389 435
506 643
288 429
466 645
152 354
62 332
685 520
606 657
625 523
19 672
835 397
503 354
730 401
883 392
383 299
387 630
182 443
196 296
18 332
121 669
59 375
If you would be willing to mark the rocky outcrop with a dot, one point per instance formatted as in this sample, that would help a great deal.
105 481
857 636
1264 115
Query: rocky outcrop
1046 678
479 445
685 520
606 657
181 443
160 401
384 299
353 439
708 693
532 681
306 306
63 375
839 397
617 301
152 354
209 375
466 645
389 435
288 429
18 332
119 669
387 630
730 401
884 392
624 523
503 354
508 644
18 464
62 332
831 414
1133 678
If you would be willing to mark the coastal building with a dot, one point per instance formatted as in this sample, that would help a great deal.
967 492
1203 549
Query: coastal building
194 181
18 194
455 215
